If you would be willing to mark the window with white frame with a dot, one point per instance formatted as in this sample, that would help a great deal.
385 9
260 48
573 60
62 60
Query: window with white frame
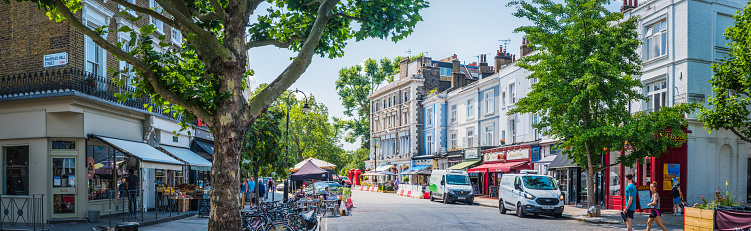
445 71
452 141
405 117
512 93
94 58
656 40
453 113
429 116
406 96
512 131
177 37
657 94
470 138
429 144
470 108
158 24
127 73
503 99
489 102
488 136
534 130
503 135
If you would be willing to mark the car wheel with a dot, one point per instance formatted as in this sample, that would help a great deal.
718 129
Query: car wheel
445 199
431 197
501 207
558 215
470 201
519 211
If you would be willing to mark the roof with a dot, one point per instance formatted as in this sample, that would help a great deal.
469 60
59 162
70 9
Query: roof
561 161
384 167
197 162
141 150
415 168
209 148
317 162
309 171
465 164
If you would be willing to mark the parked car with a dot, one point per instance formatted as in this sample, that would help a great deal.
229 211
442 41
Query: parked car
346 181
450 185
530 193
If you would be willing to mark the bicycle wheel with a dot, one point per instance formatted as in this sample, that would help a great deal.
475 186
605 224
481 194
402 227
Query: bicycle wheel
296 221
280 227
253 223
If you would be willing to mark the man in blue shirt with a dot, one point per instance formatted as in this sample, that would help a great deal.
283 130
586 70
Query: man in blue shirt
630 207
251 190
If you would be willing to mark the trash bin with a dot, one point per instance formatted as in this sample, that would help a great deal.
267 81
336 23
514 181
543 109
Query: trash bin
93 216
127 226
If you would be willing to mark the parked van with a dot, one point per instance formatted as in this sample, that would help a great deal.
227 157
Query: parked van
530 193
450 185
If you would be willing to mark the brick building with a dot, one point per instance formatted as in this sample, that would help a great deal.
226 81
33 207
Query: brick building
66 140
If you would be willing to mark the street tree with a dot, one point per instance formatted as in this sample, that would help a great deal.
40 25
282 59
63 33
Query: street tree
312 133
587 71
205 78
353 86
729 107
263 148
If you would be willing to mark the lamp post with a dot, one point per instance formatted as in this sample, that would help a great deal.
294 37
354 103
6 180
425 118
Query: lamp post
305 108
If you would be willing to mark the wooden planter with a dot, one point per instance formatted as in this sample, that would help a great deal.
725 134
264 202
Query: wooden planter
698 219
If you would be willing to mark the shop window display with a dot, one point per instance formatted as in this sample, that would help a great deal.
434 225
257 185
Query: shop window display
16 170
106 169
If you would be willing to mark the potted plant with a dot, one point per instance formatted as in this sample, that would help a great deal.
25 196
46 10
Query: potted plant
503 141
701 216
405 179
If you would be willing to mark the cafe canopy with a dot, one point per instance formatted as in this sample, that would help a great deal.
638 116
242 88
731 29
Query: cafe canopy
320 163
309 171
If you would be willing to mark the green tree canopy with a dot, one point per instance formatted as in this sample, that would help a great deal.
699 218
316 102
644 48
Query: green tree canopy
353 86
587 69
729 107
205 78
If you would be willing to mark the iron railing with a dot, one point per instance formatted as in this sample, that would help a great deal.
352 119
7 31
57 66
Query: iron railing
25 210
73 80
120 205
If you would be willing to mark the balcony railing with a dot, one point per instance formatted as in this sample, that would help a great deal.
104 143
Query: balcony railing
71 80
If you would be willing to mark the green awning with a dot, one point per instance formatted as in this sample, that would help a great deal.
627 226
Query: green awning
464 165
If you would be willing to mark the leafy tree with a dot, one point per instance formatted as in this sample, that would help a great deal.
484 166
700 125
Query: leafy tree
353 86
263 148
585 66
731 83
354 160
205 78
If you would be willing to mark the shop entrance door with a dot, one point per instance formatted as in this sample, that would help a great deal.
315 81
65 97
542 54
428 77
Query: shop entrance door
64 203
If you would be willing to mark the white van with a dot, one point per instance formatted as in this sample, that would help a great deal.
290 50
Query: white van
530 193
450 185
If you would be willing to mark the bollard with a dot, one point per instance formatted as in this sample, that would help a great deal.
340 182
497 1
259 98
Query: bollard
127 226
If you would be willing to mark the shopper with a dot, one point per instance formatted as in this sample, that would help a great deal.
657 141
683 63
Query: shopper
244 190
630 207
132 182
655 214
677 196
252 191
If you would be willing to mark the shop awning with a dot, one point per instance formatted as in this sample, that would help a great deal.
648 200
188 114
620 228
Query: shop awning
547 159
384 167
414 169
209 148
195 161
150 157
561 161
465 164
506 167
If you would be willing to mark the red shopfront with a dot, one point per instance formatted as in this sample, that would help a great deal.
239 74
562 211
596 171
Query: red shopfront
498 161
667 169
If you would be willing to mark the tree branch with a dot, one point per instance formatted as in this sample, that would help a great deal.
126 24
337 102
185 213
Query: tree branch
189 25
298 66
608 166
209 16
148 12
119 53
744 138
348 17
267 42
218 9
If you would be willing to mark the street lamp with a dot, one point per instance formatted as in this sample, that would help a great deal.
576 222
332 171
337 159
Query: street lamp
305 108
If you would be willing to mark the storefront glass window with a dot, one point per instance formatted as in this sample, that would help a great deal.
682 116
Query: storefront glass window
63 172
614 183
100 168
16 168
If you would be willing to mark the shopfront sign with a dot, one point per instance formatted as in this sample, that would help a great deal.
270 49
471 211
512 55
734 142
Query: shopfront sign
494 156
535 154
518 154
470 153
56 59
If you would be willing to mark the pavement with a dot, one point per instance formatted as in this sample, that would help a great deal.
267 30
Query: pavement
608 216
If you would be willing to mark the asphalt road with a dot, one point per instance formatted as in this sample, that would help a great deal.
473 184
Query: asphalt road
379 211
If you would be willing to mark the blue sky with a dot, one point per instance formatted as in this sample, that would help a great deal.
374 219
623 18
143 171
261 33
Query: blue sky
464 28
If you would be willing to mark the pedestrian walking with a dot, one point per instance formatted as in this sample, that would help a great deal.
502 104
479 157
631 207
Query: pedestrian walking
630 208
677 196
252 191
244 190
655 214
270 185
132 182
396 185
262 191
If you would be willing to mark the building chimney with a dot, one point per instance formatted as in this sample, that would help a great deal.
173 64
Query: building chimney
484 69
502 59
526 47
628 5
403 70
457 78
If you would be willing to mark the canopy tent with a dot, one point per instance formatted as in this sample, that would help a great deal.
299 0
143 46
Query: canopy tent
309 171
384 167
195 161
150 157
414 169
317 162
465 164
499 167
423 172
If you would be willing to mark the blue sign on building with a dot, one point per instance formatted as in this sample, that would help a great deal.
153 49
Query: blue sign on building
535 154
